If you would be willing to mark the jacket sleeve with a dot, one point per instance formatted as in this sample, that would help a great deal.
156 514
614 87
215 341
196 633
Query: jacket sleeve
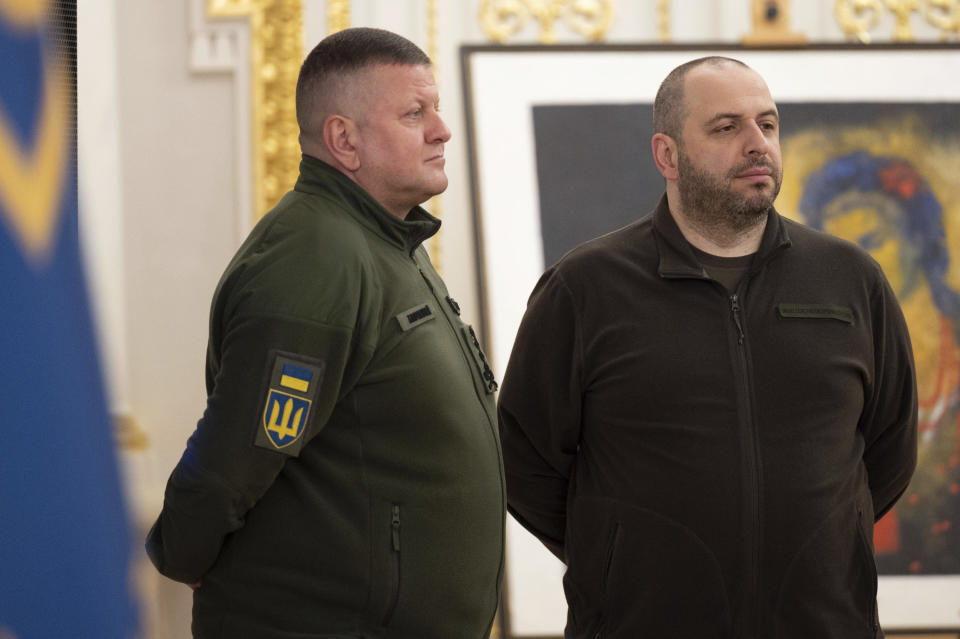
222 472
889 419
539 411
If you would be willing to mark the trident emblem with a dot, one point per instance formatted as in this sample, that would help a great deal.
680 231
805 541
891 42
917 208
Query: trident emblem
284 424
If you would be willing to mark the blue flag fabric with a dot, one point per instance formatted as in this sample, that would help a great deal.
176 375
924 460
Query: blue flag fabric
65 542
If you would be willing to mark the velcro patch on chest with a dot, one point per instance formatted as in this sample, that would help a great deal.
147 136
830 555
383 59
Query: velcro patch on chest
288 408
816 311
413 317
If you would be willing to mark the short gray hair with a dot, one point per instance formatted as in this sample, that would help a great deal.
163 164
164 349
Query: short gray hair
345 53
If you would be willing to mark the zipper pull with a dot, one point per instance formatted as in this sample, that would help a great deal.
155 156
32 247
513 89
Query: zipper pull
396 528
735 307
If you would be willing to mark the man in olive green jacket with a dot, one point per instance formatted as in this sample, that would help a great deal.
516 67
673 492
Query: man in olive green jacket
346 477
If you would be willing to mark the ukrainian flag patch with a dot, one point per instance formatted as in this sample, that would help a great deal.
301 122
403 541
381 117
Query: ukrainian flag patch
295 377
287 410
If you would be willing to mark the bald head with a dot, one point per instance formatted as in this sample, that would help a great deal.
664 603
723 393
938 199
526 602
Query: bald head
669 107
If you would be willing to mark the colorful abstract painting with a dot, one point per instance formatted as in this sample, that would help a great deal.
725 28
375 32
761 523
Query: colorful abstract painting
886 177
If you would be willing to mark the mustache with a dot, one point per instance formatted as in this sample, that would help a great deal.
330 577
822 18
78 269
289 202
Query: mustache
754 163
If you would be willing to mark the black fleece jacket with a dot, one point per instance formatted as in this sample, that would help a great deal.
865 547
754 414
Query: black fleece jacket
707 464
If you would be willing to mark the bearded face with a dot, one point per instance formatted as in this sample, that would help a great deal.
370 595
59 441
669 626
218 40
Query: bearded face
716 201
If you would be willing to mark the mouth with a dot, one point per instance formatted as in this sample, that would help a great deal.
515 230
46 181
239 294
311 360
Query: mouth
756 172
436 158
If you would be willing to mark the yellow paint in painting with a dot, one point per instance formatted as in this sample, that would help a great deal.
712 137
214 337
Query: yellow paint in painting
943 180
924 322
852 225
907 137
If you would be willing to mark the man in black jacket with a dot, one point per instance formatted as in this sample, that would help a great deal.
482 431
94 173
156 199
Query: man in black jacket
705 412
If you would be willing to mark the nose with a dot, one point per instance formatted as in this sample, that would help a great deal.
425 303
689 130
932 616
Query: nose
757 142
438 131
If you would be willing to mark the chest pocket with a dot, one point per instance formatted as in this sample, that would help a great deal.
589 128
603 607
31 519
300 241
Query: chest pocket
816 311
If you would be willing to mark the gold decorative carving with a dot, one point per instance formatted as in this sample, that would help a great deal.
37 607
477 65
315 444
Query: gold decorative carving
945 15
858 17
502 19
338 15
771 24
902 9
276 49
663 20
436 204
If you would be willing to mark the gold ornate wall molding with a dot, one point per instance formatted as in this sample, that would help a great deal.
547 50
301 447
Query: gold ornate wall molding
944 15
502 19
276 49
338 15
858 18
436 203
663 21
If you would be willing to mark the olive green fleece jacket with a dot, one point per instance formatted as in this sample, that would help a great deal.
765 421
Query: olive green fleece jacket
346 477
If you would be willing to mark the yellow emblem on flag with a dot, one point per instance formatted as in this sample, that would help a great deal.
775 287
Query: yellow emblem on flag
31 178
23 13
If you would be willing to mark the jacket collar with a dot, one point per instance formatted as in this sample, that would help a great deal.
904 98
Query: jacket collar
677 258
319 178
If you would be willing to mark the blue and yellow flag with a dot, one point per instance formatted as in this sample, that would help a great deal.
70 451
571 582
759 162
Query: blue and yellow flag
65 543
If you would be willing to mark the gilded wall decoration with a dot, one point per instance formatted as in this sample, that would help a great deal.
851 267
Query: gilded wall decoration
858 18
502 19
276 50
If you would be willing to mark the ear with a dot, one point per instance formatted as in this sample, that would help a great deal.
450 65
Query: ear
665 155
340 137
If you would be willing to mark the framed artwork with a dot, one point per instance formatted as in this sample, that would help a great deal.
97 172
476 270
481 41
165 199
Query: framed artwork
560 150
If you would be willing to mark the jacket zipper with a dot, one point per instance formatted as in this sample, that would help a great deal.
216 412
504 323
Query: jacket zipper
752 509
394 565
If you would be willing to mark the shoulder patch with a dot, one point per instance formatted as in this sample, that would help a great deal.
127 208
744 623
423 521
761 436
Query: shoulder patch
413 317
288 409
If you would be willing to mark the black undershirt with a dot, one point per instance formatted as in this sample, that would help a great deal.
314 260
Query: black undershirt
726 270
